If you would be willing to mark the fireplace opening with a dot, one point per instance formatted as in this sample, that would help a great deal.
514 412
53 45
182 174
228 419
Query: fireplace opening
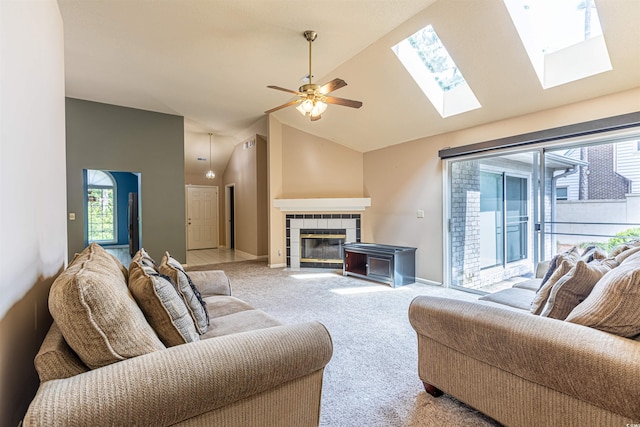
321 247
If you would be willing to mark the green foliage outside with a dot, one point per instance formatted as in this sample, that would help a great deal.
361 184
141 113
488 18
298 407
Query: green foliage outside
100 215
435 57
621 237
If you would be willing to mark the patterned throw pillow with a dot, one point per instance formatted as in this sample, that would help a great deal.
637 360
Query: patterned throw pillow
162 305
190 294
144 258
572 288
97 314
613 303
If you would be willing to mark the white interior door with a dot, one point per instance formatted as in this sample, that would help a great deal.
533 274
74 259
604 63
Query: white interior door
202 217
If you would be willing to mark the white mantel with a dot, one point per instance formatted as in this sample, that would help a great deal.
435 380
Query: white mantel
342 204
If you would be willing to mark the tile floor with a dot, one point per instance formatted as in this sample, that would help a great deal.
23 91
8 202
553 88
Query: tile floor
195 257
213 256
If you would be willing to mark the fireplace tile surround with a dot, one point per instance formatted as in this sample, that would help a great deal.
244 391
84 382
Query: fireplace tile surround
350 223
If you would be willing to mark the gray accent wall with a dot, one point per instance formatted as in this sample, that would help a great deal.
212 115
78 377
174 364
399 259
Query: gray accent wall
109 137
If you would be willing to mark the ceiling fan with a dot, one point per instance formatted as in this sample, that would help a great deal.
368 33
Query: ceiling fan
313 98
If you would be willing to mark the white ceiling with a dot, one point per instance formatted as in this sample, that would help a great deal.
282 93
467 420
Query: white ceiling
211 60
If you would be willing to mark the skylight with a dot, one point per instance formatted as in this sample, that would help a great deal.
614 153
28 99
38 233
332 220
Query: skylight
563 38
426 59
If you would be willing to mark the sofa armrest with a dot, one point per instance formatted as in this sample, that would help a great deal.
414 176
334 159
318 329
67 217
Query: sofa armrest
594 366
168 386
211 282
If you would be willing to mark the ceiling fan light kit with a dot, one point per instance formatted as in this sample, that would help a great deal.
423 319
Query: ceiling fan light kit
313 98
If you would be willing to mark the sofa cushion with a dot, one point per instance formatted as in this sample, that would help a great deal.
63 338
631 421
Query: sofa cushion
96 314
55 359
514 297
613 303
540 298
230 315
572 288
190 294
531 284
161 304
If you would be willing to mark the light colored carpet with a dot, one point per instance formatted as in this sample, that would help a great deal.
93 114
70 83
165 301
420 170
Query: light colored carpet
372 378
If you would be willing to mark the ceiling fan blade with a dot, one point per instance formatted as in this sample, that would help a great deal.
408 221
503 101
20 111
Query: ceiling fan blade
285 89
295 101
343 101
334 84
314 118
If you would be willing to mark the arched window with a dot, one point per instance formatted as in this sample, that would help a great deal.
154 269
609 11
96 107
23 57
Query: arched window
101 209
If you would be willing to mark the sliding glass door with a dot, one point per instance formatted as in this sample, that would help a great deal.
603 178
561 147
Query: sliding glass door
507 211
490 226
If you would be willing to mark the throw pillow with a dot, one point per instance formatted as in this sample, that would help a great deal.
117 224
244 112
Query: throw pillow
96 313
613 303
622 256
572 288
572 255
162 305
593 253
540 299
143 257
190 294
55 359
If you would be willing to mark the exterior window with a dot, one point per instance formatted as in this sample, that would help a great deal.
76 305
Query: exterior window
101 217
562 193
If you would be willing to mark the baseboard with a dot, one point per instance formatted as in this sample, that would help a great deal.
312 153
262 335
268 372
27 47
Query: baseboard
427 282
281 265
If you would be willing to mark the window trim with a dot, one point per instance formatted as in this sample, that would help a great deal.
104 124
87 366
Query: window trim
88 187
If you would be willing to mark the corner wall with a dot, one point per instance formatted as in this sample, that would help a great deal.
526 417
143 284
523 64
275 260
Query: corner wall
408 177
109 137
33 246
247 172
301 165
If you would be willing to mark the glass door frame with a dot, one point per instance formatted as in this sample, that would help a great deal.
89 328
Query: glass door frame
539 208
536 216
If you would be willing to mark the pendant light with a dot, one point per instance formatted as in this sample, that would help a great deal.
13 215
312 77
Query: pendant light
210 174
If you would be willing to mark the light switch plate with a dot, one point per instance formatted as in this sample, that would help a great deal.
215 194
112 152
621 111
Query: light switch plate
420 213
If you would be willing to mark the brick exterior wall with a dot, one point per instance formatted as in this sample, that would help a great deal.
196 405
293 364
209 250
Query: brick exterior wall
465 223
601 181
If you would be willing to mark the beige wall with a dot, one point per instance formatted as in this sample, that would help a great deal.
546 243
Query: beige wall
247 171
316 167
306 166
407 177
33 246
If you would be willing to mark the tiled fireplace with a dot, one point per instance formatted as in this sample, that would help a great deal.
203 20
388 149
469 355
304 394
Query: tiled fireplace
315 239
316 228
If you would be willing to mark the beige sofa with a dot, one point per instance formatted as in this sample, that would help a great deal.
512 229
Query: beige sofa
246 369
524 369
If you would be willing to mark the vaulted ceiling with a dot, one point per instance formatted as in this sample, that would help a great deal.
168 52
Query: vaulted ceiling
211 60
